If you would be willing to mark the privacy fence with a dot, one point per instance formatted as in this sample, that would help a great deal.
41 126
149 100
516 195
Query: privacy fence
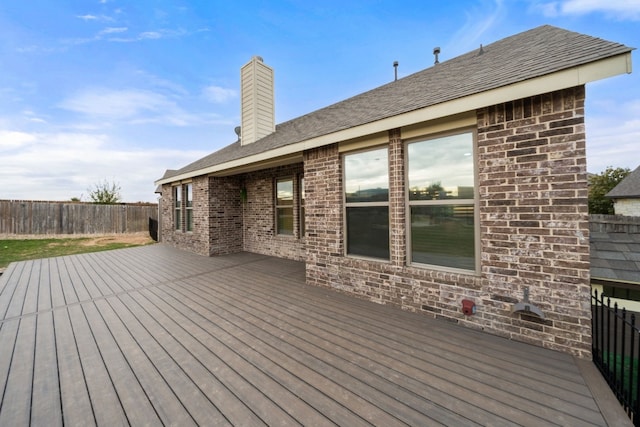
41 217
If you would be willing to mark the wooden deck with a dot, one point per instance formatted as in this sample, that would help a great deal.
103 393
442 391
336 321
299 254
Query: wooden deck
157 336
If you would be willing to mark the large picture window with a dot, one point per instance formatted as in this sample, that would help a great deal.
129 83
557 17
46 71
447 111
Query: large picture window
284 206
441 187
366 183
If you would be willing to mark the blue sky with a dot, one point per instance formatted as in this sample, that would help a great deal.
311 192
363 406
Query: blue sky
94 90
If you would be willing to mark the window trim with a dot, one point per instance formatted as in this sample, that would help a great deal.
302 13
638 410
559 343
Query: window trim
188 219
346 205
475 202
177 207
302 223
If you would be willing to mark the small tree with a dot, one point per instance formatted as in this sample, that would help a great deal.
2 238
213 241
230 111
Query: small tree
105 193
600 184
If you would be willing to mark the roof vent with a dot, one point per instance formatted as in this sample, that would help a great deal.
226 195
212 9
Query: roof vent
395 70
481 51
436 52
238 131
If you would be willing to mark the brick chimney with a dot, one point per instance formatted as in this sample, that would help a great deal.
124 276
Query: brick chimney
257 104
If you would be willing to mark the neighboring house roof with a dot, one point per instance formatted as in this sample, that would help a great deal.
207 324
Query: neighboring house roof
615 256
520 58
628 188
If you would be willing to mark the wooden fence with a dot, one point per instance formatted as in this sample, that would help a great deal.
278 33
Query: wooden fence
40 217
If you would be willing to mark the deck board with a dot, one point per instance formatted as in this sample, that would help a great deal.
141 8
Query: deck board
8 333
46 401
444 354
315 361
16 402
15 299
74 393
371 354
107 407
157 336
184 375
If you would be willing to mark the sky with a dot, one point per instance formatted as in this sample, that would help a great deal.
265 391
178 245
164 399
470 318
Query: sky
115 91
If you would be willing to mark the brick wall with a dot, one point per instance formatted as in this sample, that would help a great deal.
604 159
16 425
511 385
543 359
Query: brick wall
225 215
197 240
259 231
533 228
534 218
325 233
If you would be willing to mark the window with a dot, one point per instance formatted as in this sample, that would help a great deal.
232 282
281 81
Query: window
284 206
621 293
441 187
302 212
177 204
366 178
189 206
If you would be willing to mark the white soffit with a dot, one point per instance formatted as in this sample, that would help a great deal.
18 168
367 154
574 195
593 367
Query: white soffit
576 76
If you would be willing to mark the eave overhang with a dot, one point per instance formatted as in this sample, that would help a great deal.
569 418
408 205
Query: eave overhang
292 153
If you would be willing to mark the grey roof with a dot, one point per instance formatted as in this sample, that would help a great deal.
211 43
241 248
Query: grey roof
628 188
615 256
534 53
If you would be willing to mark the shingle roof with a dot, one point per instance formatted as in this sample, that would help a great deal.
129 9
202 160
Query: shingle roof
534 53
615 256
628 188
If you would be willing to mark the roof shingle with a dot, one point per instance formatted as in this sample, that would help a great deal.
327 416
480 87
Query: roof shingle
628 188
534 53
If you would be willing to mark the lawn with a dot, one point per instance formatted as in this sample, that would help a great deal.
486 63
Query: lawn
24 249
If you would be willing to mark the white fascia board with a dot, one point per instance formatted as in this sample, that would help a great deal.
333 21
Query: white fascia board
576 76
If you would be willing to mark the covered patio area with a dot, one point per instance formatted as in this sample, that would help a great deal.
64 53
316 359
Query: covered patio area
157 336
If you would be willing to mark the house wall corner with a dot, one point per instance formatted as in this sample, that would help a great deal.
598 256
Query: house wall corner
533 229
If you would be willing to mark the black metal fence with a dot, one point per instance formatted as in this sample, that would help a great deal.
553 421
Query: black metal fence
616 350
153 228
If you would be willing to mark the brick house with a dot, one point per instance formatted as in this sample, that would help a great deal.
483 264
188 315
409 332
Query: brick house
626 195
463 182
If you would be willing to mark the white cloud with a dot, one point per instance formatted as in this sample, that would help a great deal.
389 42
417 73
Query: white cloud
219 95
478 21
116 104
105 107
113 30
14 139
616 9
58 166
89 17
150 35
613 132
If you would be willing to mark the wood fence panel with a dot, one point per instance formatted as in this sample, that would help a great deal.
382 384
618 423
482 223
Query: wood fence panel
41 217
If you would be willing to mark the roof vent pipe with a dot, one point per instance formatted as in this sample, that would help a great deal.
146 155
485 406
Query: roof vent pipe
395 69
436 52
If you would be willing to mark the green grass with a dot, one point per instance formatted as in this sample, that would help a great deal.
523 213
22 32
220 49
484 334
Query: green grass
21 250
